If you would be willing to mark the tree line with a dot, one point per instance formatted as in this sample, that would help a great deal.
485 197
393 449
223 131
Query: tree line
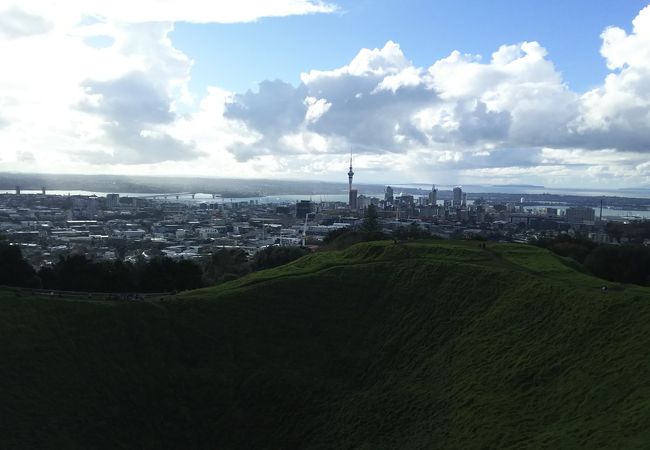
634 232
161 274
370 230
629 263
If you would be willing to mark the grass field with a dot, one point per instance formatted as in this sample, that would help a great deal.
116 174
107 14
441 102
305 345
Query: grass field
432 344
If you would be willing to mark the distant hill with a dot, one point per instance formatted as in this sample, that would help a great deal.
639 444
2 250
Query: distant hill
437 345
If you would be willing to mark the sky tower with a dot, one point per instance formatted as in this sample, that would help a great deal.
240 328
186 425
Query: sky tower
350 173
352 193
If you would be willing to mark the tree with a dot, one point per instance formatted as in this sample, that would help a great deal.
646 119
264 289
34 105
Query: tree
415 231
564 245
401 234
165 274
14 270
276 256
332 236
370 222
623 263
225 264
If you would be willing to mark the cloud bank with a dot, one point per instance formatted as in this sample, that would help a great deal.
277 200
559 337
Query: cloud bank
126 106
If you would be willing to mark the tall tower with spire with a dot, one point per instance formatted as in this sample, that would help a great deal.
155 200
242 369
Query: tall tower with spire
352 193
350 173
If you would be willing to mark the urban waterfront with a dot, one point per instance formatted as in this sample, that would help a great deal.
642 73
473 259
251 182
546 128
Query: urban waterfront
198 198
193 225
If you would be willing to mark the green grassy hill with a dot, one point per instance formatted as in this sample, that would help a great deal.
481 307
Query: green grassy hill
381 346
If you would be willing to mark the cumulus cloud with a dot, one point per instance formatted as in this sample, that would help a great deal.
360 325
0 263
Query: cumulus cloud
130 98
274 108
92 83
316 108
16 23
3 120
194 11
617 114
463 113
26 156
381 103
133 110
67 101
509 116
343 107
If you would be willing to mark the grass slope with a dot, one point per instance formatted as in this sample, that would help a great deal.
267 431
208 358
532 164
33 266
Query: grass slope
420 345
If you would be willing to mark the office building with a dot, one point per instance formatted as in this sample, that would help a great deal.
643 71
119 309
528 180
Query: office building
303 207
457 196
363 202
112 201
433 196
580 214
388 195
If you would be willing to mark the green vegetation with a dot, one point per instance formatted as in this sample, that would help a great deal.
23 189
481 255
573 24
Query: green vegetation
424 344
276 256
159 274
14 270
370 222
370 230
623 263
635 232
77 273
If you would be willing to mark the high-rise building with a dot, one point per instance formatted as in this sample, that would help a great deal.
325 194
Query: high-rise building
91 206
363 202
17 190
303 207
405 200
112 200
388 195
433 196
353 199
457 196
580 214
464 203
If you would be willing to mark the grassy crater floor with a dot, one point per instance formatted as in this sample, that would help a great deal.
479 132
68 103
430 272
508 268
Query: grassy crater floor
432 344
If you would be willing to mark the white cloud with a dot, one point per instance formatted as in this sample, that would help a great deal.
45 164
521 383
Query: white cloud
15 23
617 114
376 62
407 77
381 103
64 96
194 11
462 113
316 108
72 103
125 105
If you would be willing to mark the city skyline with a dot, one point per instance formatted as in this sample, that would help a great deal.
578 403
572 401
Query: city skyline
419 94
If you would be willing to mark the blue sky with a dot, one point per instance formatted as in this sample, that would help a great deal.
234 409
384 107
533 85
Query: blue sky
238 56
554 93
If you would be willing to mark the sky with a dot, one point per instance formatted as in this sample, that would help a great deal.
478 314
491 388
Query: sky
553 93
